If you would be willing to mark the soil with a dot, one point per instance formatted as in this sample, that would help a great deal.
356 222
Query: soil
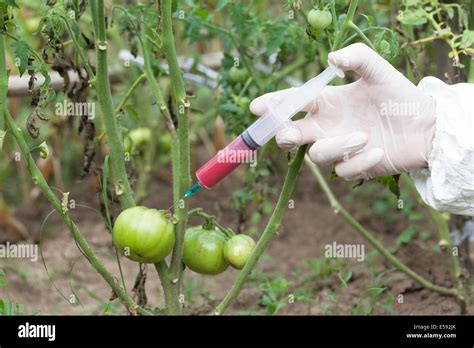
307 228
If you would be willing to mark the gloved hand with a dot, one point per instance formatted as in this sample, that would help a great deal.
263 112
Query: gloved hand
379 125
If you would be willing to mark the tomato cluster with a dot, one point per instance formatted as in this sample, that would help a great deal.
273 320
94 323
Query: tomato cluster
138 140
145 235
211 252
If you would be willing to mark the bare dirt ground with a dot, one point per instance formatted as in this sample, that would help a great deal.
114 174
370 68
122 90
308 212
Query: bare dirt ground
306 229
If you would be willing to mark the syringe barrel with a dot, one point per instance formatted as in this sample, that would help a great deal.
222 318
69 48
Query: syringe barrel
240 150
281 110
267 126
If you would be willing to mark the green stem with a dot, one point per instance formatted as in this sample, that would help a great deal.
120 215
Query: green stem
129 93
119 175
3 64
212 220
95 23
470 78
248 66
345 25
289 69
166 283
345 215
155 88
78 48
446 244
146 49
361 34
239 48
353 36
272 227
334 17
108 220
181 171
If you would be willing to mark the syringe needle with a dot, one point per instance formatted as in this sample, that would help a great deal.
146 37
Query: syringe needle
196 187
174 203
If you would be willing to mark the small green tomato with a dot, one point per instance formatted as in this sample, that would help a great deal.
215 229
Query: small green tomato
140 137
319 19
237 250
238 74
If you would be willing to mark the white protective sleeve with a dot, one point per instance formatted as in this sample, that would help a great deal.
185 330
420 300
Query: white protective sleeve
448 183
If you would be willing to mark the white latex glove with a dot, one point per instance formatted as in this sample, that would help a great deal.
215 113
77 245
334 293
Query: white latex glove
379 125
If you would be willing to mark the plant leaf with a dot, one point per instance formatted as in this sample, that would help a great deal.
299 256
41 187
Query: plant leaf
467 39
391 182
407 235
11 3
22 52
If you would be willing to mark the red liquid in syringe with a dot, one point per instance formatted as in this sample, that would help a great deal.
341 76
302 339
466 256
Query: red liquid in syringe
224 162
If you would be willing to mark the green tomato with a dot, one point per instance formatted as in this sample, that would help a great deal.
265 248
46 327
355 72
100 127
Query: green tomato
204 250
32 24
243 102
165 142
203 97
237 250
319 19
144 235
140 137
238 75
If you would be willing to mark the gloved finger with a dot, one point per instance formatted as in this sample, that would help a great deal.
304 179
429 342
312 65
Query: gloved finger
363 60
297 133
341 147
357 166
259 105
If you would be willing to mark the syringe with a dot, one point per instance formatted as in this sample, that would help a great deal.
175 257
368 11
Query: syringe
243 148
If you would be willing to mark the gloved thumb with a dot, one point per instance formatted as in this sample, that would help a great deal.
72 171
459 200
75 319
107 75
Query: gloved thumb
300 132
